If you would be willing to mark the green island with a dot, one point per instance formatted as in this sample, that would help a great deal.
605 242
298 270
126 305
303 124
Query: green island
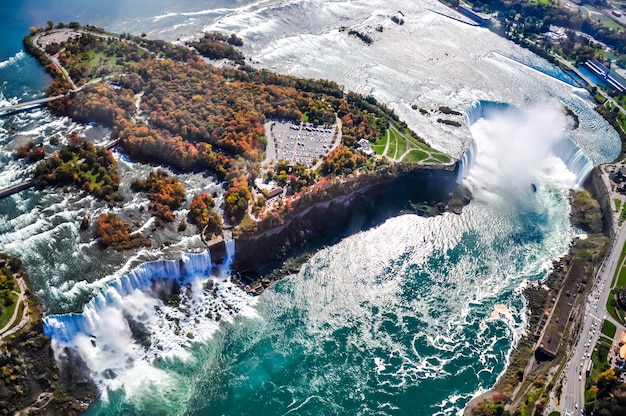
166 105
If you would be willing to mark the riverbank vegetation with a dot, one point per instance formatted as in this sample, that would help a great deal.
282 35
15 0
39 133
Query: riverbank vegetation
9 267
30 381
81 163
166 105
166 193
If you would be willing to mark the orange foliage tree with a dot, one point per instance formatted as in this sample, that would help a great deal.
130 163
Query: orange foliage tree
166 193
114 232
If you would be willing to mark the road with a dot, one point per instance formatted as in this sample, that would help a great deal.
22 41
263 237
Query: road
572 396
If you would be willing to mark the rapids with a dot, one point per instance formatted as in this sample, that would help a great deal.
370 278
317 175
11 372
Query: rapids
412 317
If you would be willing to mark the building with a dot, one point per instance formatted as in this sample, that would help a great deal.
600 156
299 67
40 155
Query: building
270 189
476 15
552 334
365 147
606 74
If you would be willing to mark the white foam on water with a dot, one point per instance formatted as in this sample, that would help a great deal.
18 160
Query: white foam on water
13 59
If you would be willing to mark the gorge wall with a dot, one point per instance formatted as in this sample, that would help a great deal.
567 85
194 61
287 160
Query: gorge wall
425 191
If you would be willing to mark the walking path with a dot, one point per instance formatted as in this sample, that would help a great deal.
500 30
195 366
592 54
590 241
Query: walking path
411 145
11 327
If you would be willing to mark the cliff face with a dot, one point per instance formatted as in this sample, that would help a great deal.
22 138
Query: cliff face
422 191
30 381
595 185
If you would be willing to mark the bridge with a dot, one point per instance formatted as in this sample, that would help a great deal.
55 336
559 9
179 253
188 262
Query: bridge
11 109
18 187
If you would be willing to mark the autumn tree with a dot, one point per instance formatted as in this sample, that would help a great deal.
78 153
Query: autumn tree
200 208
237 198
166 193
112 231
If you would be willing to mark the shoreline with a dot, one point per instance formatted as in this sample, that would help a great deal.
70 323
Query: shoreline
32 380
527 367
290 267
263 256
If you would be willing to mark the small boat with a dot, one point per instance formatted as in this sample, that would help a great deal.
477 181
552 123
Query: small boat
533 187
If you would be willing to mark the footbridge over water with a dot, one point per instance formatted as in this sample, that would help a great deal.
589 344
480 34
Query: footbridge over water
12 109
18 187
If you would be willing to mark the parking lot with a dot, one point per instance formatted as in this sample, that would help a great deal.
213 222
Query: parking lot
298 142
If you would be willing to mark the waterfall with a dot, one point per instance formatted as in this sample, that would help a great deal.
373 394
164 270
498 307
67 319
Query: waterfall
482 109
63 328
230 252
576 161
142 317
529 139
466 162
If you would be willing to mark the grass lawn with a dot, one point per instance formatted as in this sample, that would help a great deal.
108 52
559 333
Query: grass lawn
92 179
415 156
619 268
378 149
419 144
379 146
618 204
610 309
402 144
605 339
246 221
598 364
7 311
608 328
621 280
382 141
441 157
610 23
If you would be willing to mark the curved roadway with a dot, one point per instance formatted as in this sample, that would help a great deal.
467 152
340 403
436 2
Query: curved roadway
574 373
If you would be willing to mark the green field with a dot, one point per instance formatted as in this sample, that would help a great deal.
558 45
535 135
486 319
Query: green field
415 156
7 311
441 157
403 146
379 146
608 328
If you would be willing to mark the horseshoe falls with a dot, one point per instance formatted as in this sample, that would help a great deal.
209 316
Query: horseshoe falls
413 317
